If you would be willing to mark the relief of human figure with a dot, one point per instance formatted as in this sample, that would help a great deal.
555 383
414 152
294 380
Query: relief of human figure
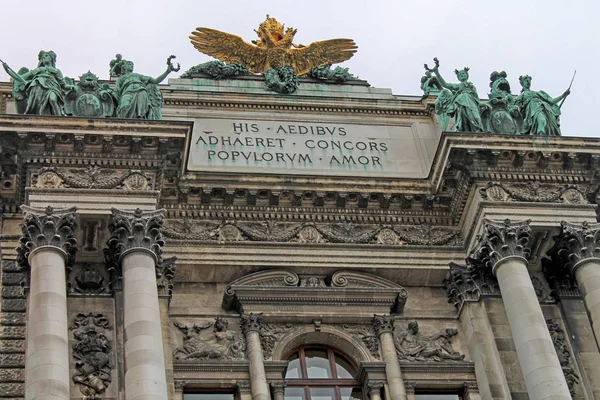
221 343
413 346
41 90
459 100
138 95
541 112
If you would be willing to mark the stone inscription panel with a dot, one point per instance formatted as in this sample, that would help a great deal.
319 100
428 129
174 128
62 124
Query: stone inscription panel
300 148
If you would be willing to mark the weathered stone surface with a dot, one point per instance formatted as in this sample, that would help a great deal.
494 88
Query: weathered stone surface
14 305
12 375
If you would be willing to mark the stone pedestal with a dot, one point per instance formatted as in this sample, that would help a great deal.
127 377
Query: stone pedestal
135 248
384 327
251 324
47 245
504 249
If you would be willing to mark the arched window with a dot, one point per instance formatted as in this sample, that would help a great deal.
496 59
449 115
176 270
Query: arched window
320 373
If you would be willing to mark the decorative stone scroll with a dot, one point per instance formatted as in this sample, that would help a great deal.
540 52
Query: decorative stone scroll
92 177
564 354
48 227
411 345
93 352
502 240
310 233
276 288
366 334
219 344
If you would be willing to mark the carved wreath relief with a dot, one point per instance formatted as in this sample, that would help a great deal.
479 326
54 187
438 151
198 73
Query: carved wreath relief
201 344
91 351
412 345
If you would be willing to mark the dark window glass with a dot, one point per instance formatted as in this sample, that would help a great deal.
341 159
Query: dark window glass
322 393
208 396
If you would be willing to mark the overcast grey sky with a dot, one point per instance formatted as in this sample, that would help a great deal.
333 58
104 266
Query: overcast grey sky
546 39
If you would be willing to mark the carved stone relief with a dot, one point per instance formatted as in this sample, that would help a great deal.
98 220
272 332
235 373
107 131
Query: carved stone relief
92 177
366 334
536 192
220 343
92 352
347 232
412 345
89 278
468 282
564 354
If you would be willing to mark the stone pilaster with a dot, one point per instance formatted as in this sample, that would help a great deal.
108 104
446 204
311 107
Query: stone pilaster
134 249
251 325
373 390
48 246
504 248
578 252
278 390
384 329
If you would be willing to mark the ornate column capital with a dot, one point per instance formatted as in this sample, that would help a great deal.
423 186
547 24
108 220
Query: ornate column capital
134 230
243 386
180 385
410 386
278 387
578 244
470 387
48 227
251 322
374 387
383 323
502 240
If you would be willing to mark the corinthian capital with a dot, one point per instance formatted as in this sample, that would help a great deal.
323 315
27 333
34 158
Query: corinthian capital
383 323
578 243
251 322
134 230
48 227
502 240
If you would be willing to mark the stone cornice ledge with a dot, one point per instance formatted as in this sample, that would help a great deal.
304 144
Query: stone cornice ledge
452 367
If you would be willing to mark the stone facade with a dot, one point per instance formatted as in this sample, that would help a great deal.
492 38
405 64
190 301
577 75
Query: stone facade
468 265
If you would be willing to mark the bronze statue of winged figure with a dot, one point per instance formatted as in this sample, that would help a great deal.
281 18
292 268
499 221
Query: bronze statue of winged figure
273 49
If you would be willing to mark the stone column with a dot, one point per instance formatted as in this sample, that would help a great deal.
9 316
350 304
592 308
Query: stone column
579 253
504 248
135 248
373 390
384 328
48 246
179 388
410 389
278 390
251 325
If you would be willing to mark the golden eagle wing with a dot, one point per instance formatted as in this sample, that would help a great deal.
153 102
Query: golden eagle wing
229 48
321 53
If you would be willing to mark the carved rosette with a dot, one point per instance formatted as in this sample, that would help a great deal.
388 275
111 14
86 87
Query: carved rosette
92 351
374 387
578 243
503 240
383 323
48 227
251 322
141 230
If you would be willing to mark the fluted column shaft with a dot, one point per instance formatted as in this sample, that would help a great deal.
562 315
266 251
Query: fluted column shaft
47 245
384 327
135 246
251 325
504 249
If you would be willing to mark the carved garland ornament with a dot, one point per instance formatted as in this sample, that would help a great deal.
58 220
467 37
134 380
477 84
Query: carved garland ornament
347 232
535 192
92 352
92 178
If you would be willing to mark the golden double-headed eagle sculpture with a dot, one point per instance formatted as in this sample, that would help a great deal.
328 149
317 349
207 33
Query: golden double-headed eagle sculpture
275 48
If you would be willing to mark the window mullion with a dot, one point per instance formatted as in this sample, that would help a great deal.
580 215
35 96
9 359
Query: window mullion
302 358
332 365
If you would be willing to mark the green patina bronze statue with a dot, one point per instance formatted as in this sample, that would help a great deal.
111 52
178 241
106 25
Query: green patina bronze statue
541 113
42 90
459 100
138 95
